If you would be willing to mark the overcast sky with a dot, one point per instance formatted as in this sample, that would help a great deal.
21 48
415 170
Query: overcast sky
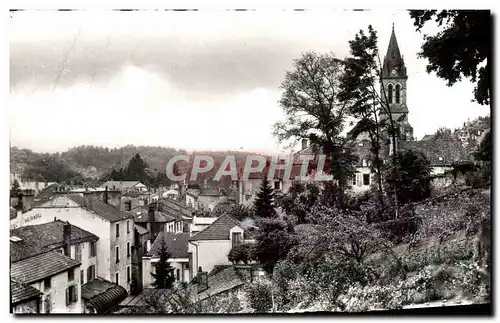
192 80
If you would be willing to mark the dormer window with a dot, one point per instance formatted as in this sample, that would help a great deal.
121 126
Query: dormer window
398 93
237 238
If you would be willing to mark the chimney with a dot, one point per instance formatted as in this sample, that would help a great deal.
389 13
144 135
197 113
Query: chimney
136 286
67 239
304 144
202 280
105 196
151 213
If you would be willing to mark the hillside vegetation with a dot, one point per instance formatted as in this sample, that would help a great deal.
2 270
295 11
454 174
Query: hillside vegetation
87 163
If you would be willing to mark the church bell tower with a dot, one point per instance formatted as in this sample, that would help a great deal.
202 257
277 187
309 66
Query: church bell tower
394 79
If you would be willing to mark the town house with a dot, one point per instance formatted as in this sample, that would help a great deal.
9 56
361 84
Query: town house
125 186
211 246
177 247
64 238
55 275
113 227
24 299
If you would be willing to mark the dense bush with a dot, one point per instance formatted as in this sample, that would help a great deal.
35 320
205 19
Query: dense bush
241 253
454 212
260 296
410 173
274 239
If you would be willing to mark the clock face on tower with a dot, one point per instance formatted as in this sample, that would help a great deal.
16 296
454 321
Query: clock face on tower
393 72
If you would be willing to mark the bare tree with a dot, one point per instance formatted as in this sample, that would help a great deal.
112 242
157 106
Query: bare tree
310 103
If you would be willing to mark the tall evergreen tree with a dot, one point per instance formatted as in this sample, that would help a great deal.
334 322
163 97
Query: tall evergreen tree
264 203
136 168
164 276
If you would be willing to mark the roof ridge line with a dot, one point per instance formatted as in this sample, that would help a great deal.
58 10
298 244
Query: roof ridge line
207 227
222 216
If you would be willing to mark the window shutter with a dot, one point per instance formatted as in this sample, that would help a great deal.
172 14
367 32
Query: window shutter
67 296
75 294
359 179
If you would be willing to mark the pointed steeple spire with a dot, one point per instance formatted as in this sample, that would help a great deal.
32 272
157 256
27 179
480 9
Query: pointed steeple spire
393 59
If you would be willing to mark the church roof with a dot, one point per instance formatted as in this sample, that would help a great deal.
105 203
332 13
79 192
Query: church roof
393 58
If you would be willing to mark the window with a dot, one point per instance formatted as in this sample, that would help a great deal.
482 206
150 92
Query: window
364 162
117 254
145 247
398 93
71 274
236 238
82 277
128 249
91 273
71 295
128 205
47 283
128 275
93 249
117 230
276 185
366 179
178 275
78 252
248 197
128 226
389 93
117 278
354 180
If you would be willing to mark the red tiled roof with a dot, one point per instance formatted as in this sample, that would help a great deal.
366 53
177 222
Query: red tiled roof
142 216
440 152
219 229
104 210
41 266
176 243
41 238
21 292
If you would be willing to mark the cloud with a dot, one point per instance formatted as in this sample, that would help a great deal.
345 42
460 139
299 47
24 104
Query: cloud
192 80
139 107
